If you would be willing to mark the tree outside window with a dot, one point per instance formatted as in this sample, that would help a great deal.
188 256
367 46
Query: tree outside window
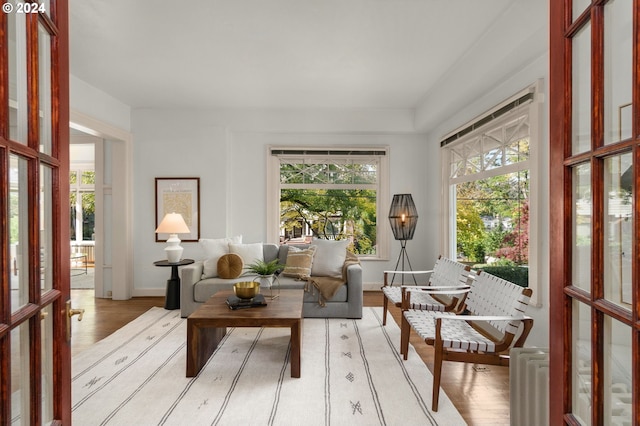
490 175
334 196
82 204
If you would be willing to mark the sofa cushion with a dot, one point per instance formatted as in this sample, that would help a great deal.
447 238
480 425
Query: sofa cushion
230 266
250 253
329 257
213 250
299 262
204 289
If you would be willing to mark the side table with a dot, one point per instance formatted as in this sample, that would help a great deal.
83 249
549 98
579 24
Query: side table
172 299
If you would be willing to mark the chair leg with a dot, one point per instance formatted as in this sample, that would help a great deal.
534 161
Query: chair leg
385 307
405 331
437 371
437 368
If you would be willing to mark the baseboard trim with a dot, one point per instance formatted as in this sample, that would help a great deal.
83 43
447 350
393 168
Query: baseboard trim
149 292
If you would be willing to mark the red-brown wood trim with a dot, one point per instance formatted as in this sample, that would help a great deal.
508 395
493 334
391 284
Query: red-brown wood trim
598 367
597 78
33 100
46 21
557 148
60 122
4 78
579 23
635 274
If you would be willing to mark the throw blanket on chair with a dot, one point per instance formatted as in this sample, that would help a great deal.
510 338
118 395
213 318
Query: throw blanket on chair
328 286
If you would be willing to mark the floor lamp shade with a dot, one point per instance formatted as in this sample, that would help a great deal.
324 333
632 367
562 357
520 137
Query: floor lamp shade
173 224
403 216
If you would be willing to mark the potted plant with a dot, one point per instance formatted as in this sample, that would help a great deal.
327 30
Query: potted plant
264 271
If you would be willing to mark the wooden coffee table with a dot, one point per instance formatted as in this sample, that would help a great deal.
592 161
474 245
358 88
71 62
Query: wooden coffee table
208 324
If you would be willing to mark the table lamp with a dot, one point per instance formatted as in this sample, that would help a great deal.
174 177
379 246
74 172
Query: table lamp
173 224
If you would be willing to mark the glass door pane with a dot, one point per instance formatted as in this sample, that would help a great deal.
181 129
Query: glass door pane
44 88
581 91
18 109
20 378
19 231
618 82
582 208
579 6
617 373
618 230
581 362
47 365
46 228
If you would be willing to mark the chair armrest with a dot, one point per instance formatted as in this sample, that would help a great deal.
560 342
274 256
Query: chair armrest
387 273
437 289
482 317
408 272
526 320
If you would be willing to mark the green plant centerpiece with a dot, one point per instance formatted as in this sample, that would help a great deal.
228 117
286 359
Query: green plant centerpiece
264 271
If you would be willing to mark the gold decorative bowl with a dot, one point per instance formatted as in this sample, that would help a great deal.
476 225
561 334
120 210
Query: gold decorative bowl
246 289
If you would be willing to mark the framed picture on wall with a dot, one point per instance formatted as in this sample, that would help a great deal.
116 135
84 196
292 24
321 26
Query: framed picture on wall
179 195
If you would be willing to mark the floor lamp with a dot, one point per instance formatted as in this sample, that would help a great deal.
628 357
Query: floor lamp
403 218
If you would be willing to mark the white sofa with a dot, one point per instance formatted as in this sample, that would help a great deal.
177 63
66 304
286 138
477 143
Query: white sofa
346 303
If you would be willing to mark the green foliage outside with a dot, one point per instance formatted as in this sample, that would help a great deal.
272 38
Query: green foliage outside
14 218
332 214
516 274
87 200
500 199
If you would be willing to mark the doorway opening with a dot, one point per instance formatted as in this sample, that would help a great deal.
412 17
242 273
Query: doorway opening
82 209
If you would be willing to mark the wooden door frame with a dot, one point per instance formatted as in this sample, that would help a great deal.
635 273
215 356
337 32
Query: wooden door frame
56 22
558 303
62 343
562 294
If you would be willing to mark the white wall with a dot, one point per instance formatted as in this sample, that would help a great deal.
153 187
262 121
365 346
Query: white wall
226 150
99 105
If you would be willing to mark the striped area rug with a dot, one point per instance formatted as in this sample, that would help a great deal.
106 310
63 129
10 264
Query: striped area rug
352 374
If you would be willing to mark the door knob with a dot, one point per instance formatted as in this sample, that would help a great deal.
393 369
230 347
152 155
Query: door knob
79 312
70 313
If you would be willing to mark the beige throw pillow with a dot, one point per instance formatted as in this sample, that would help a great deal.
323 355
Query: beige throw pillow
299 262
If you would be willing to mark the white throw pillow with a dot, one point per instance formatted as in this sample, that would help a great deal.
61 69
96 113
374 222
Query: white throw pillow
329 258
214 249
249 253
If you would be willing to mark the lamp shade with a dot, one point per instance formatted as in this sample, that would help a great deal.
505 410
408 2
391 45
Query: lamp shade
403 216
173 223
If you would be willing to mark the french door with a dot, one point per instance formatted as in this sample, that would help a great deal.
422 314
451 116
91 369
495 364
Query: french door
595 182
34 215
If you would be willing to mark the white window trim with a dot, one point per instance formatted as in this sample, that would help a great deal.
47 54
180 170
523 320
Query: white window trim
273 187
448 233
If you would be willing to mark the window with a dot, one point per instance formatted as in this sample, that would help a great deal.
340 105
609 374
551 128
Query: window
82 200
488 167
329 194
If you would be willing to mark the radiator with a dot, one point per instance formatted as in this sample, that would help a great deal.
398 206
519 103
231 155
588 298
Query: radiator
529 386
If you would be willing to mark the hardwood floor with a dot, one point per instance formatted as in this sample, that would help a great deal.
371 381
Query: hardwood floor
479 392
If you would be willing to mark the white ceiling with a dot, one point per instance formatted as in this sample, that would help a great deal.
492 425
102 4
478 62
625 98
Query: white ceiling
274 53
